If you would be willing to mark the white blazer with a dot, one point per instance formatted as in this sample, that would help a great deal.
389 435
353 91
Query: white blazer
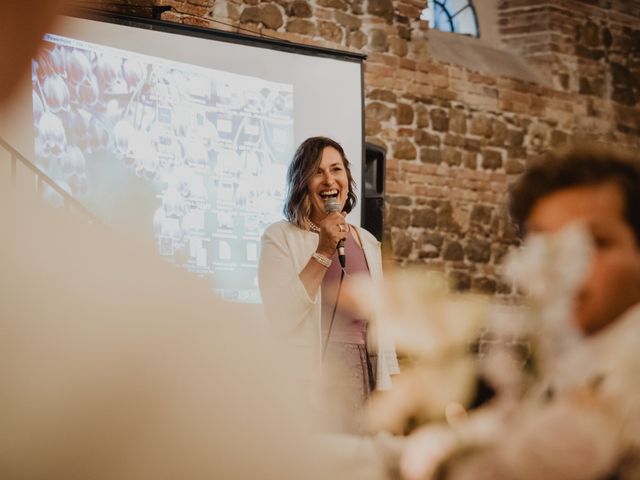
286 249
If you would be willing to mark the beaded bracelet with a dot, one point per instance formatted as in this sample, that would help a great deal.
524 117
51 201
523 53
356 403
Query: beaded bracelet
321 259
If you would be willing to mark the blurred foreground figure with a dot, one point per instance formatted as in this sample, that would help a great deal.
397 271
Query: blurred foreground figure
117 365
22 25
586 422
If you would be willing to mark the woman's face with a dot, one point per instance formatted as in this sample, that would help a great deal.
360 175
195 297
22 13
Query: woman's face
329 180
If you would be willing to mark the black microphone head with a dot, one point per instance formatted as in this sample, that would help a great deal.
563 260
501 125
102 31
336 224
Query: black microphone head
331 205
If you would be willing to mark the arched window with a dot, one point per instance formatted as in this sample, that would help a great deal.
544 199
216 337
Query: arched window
456 16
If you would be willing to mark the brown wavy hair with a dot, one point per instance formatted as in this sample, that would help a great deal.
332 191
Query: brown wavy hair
588 165
297 207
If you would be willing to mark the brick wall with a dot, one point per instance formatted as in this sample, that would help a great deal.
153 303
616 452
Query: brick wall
141 8
587 47
455 138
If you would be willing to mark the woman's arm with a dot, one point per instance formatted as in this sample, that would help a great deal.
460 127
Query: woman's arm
313 273
284 297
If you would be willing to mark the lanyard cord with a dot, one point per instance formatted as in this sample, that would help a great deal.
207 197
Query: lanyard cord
333 315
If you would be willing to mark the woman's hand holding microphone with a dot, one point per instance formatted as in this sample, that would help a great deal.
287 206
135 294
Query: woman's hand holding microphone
332 229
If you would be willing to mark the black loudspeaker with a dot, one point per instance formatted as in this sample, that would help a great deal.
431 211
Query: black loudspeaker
373 190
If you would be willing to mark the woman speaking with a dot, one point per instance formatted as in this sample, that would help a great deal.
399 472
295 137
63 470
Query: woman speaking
300 280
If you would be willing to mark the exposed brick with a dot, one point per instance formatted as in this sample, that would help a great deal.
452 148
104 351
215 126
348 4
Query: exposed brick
500 133
430 155
399 200
337 4
458 121
382 8
357 39
271 17
357 6
482 125
481 214
383 95
378 40
349 21
515 137
426 139
446 222
299 8
470 160
482 284
473 144
424 218
439 120
428 251
330 31
250 15
401 243
451 156
399 217
454 140
398 46
301 26
422 116
404 149
372 127
404 32
453 252
491 159
404 114
432 238
377 111
514 167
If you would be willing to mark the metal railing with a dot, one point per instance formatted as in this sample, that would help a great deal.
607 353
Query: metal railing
69 202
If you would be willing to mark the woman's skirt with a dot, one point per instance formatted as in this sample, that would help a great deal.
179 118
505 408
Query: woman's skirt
349 379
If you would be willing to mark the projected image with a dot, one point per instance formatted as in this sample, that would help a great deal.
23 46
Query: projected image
192 158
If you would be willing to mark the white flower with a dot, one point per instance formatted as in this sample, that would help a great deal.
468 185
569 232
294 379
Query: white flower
419 313
551 269
431 326
425 450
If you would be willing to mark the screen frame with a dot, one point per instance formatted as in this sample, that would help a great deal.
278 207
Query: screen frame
263 42
259 41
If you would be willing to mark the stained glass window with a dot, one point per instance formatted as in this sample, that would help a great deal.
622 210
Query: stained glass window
456 16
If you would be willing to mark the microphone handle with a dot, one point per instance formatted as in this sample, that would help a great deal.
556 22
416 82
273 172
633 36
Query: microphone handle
341 257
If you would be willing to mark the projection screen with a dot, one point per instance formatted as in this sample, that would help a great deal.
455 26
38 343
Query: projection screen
182 136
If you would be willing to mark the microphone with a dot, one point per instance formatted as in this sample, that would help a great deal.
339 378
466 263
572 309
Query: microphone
333 205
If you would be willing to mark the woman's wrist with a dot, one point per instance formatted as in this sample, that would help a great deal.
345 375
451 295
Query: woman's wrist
325 253
322 259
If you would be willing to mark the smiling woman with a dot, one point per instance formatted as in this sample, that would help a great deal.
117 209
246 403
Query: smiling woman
315 158
300 282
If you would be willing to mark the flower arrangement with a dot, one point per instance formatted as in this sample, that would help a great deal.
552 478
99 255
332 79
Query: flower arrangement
518 347
432 329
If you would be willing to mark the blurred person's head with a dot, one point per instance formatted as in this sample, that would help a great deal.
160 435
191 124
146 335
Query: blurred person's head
601 189
22 25
319 170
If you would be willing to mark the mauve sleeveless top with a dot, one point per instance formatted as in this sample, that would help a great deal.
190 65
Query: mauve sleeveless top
345 329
